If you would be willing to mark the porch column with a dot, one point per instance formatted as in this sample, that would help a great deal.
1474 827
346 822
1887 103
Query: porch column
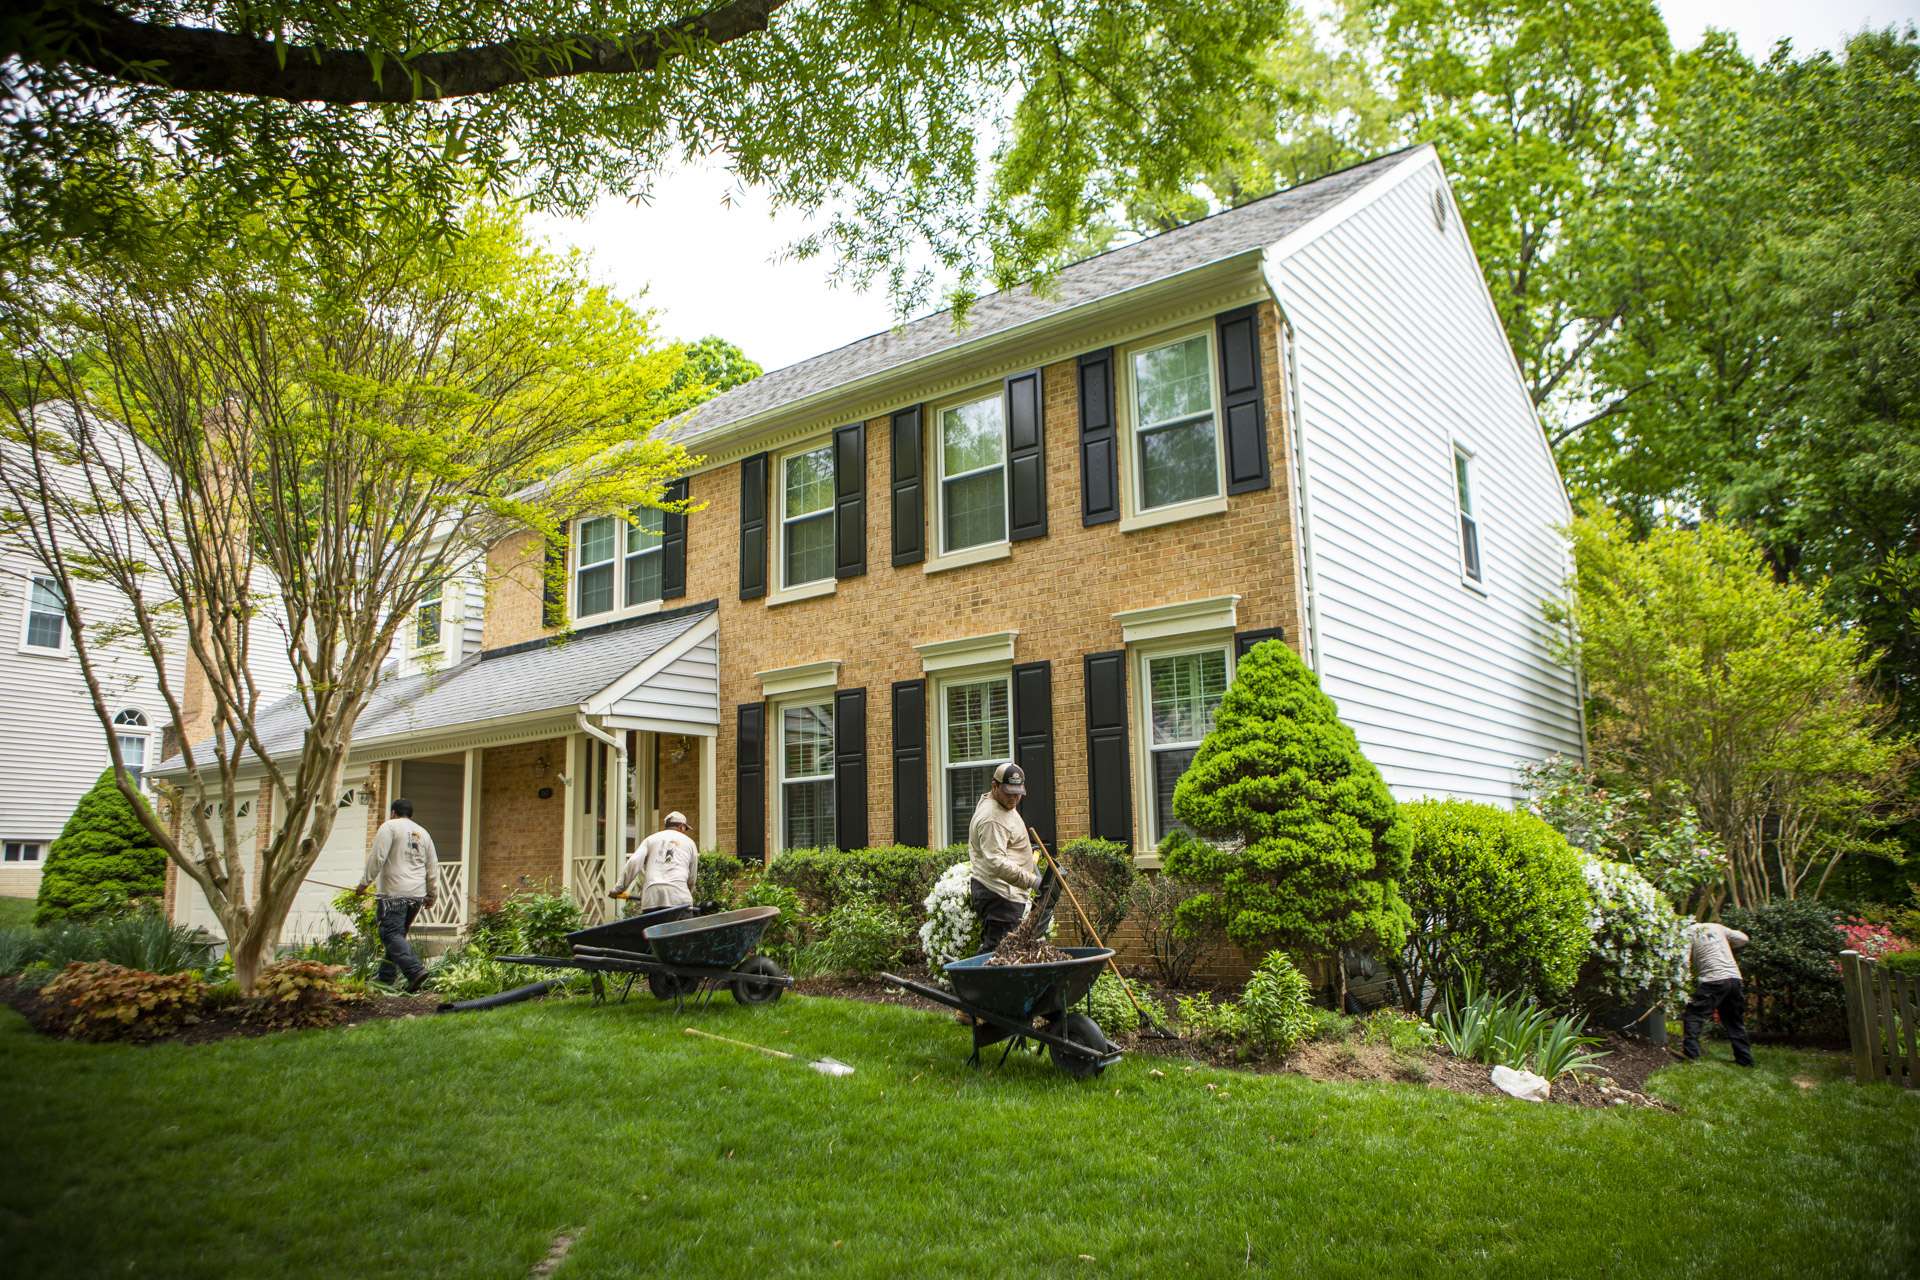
709 805
469 836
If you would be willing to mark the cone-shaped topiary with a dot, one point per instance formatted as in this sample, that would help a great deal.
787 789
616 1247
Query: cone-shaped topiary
1301 845
103 858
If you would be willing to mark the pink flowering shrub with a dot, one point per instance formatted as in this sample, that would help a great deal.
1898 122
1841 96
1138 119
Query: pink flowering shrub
1871 940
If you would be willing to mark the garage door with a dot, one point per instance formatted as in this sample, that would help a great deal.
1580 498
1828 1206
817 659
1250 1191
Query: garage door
341 861
190 906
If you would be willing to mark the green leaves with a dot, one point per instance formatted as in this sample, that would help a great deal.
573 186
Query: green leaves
103 859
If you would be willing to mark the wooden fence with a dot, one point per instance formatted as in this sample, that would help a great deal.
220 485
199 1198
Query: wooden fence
1883 1011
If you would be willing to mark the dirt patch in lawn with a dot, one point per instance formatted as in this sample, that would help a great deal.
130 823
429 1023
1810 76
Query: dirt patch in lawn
225 1024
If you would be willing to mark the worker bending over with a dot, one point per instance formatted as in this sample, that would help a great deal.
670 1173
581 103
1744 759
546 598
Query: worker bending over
666 865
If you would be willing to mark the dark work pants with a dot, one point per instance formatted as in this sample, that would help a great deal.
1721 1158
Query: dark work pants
1727 997
998 915
395 916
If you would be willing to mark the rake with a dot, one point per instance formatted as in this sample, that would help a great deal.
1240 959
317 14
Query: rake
1148 1027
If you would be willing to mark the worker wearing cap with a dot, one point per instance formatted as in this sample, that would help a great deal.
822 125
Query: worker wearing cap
1000 856
667 864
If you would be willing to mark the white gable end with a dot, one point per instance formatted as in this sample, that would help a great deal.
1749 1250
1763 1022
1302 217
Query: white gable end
1398 357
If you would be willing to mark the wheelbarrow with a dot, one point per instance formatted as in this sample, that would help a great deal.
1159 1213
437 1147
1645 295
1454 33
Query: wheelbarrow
680 953
1019 1002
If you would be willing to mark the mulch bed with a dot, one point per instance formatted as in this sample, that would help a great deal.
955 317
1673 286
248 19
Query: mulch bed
228 1025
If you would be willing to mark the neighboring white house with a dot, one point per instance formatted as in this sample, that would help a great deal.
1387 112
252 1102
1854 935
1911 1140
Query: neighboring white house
53 748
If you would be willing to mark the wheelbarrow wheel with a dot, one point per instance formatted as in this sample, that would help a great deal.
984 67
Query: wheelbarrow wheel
747 991
1080 1029
666 986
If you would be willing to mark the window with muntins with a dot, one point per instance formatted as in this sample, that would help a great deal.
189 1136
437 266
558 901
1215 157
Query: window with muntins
973 474
976 734
1469 525
427 616
617 564
1183 693
1177 449
23 851
806 775
806 516
46 615
133 746
593 571
645 557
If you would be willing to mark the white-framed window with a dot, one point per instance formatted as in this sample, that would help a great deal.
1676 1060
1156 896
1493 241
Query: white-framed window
617 564
130 733
427 617
1469 522
805 753
1172 400
45 624
970 448
806 516
976 734
19 851
1181 691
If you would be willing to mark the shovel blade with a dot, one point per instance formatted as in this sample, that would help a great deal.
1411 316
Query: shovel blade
831 1067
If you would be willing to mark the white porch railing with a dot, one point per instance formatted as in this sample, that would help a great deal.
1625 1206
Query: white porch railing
590 889
450 896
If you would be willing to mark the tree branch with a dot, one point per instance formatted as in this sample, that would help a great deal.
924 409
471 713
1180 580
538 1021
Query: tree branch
203 59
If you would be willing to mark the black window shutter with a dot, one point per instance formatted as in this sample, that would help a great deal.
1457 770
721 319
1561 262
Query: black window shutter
553 582
673 545
1242 405
850 501
910 762
850 768
1245 640
1026 458
750 782
909 492
1033 744
1099 453
753 527
1109 777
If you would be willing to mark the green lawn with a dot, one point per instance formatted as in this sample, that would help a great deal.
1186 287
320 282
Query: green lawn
461 1145
16 913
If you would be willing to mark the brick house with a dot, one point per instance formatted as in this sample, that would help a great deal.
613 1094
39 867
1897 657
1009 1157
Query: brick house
1046 535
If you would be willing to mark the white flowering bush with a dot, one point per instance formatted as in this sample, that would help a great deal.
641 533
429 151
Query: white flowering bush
952 931
1639 942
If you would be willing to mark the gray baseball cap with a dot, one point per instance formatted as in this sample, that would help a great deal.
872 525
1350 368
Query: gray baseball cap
1011 778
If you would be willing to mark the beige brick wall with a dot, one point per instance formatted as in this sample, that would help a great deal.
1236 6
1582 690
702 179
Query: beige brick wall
515 569
680 783
521 835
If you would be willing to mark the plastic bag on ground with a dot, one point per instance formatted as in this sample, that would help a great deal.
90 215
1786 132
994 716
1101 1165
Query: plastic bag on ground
1521 1084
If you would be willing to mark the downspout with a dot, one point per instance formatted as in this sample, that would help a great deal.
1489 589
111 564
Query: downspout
1296 448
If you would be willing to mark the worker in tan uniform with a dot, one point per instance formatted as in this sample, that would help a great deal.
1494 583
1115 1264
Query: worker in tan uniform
1000 857
666 865
400 868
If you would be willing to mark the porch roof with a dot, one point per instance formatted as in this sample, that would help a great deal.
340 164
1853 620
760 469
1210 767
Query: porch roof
541 678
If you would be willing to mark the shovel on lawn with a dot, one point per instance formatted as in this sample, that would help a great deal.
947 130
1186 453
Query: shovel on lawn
825 1066
1148 1027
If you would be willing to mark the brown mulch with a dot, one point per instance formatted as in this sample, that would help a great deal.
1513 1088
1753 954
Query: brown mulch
227 1024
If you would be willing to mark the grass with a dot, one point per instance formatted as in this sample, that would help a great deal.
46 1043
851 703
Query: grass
462 1145
16 913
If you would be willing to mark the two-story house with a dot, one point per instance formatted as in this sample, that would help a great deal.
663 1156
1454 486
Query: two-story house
1045 534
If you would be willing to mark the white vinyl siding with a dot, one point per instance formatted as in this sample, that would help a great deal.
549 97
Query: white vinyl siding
976 735
805 755
1399 356
971 450
806 516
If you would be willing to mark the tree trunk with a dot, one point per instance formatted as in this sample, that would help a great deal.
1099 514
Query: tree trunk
250 956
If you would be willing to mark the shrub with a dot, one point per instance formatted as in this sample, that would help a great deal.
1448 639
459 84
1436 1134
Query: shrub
100 1000
1871 940
858 938
218 997
1328 1024
1906 962
1310 845
1638 942
1200 1017
1108 1006
1658 835
1176 945
1400 1032
529 923
146 939
37 975
102 859
718 880
1102 875
952 930
1788 964
1274 1006
898 875
17 950
297 993
1494 893
784 936
1511 1031
468 975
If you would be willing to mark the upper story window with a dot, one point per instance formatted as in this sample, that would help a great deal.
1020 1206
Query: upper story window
806 516
427 617
1469 523
976 735
24 850
130 734
1176 452
46 621
1183 692
972 447
806 775
617 565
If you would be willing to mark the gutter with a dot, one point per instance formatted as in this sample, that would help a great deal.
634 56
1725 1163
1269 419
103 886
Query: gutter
1297 448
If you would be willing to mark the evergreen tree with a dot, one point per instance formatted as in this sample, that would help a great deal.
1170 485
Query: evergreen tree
103 858
1295 835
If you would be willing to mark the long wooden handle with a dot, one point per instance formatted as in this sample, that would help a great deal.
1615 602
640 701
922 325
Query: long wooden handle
742 1044
1085 923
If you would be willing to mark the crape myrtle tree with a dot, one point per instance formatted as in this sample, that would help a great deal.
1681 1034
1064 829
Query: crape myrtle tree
877 116
258 424
1291 830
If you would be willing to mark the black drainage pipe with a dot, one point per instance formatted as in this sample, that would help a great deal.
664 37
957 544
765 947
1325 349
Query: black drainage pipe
514 996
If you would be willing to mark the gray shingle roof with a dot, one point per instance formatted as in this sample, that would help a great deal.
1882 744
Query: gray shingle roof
1253 225
519 680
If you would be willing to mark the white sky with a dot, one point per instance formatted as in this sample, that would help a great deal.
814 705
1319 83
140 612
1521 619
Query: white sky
704 251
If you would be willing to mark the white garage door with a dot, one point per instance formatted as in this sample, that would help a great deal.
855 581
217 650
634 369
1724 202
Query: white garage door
190 905
342 859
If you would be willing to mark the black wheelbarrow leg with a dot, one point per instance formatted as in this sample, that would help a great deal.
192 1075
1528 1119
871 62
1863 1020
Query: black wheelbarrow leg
629 987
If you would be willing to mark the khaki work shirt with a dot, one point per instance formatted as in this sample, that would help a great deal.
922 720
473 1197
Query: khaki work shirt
998 852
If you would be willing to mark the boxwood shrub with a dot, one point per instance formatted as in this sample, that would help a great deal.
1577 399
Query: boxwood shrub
1791 967
898 875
